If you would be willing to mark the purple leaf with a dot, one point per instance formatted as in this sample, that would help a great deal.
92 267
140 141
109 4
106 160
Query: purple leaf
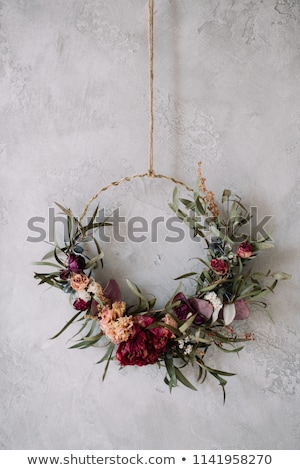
241 309
112 291
202 306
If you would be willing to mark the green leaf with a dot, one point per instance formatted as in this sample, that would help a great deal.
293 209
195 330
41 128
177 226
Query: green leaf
202 374
171 371
152 302
60 262
90 223
183 379
187 203
169 304
65 210
260 293
235 350
99 301
97 245
263 245
215 371
111 349
183 276
204 262
48 255
172 207
46 275
196 190
175 198
233 213
50 281
93 326
46 263
213 229
66 325
81 328
245 292
215 284
84 344
280 275
175 331
258 276
107 354
226 194
198 339
94 260
199 207
187 323
137 292
226 339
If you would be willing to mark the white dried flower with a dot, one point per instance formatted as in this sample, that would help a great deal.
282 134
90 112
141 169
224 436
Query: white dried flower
216 303
95 288
232 257
188 349
84 295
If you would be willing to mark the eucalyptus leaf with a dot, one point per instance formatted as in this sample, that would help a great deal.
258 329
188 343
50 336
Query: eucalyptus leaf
94 260
137 292
108 353
279 275
187 203
48 255
226 195
66 325
46 263
235 350
183 379
111 349
200 209
263 245
175 198
171 370
214 230
187 323
64 209
258 276
184 276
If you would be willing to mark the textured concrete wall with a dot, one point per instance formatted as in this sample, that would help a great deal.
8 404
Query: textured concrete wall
74 116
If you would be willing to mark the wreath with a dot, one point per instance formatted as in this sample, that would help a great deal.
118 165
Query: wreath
188 326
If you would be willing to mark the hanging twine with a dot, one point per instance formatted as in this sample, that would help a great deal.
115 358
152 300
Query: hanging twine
151 76
150 173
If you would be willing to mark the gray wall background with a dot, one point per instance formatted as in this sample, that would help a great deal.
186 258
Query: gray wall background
74 117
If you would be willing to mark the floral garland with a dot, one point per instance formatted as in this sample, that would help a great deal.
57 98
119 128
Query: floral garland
182 332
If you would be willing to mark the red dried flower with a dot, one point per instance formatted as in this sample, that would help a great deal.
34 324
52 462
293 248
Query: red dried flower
219 266
144 346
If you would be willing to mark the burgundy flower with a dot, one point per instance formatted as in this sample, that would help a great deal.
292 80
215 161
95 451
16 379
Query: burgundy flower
76 263
81 305
219 266
64 274
144 346
203 308
245 250
184 308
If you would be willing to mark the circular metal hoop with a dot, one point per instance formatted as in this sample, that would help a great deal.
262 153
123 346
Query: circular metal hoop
130 178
